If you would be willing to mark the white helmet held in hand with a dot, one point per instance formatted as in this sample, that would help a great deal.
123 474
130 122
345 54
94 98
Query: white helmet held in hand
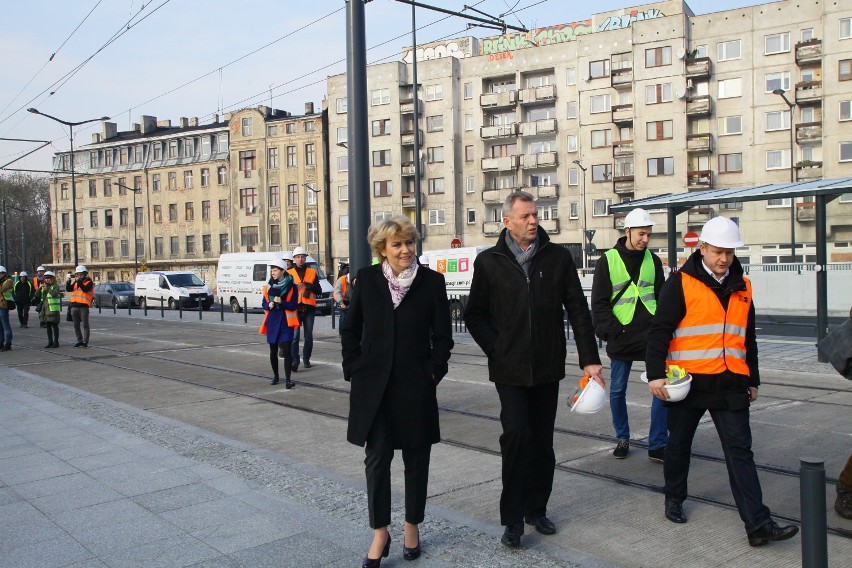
677 392
721 232
590 399
638 218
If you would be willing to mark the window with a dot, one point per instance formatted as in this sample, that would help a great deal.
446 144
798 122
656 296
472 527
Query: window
63 191
107 158
342 104
381 157
313 232
343 193
657 56
729 125
471 216
93 188
600 207
205 210
777 81
599 68
158 213
272 158
502 150
275 235
434 92
205 177
729 88
224 212
189 148
274 196
728 50
785 202
222 175
173 181
246 126
572 109
107 218
382 188
224 242
730 163
468 122
94 249
570 76
248 238
93 219
342 134
468 153
292 195
573 176
469 184
807 34
343 223
846 151
291 156
381 127
572 143
543 179
310 155
601 172
122 186
223 143
435 123
66 220
845 28
600 103
206 244
380 97
311 193
187 179
137 215
436 185
309 126
343 163
601 138
272 130
173 212
174 246
436 216
778 120
659 130
190 244
777 159
109 249
777 43
845 110
660 167
93 159
435 154
844 70
468 90
574 210
660 93
158 246
189 211
247 162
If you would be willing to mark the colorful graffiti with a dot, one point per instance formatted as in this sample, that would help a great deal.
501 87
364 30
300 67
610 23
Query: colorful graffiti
626 20
535 38
459 48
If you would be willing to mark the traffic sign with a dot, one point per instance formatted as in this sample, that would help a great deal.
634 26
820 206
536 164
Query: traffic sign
456 243
690 239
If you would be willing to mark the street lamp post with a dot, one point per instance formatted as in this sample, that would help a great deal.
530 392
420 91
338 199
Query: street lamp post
585 226
71 126
23 244
780 93
135 224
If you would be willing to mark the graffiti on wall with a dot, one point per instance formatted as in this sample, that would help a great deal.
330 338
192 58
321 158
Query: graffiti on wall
534 38
626 20
459 48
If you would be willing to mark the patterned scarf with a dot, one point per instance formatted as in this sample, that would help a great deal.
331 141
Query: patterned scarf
399 285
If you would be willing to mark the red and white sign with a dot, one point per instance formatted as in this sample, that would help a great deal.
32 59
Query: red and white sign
455 243
690 239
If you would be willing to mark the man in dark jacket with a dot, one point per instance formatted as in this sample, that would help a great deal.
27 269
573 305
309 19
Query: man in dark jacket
23 295
82 292
627 283
307 280
515 314
705 324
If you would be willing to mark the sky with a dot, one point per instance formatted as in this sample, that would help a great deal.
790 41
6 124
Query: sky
83 59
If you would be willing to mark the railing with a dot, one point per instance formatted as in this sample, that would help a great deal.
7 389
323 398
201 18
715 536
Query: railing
809 52
698 67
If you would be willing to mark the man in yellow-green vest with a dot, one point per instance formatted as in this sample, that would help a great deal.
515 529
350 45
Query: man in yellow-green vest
627 283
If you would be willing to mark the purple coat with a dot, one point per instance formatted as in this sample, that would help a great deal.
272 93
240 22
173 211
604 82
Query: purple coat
277 330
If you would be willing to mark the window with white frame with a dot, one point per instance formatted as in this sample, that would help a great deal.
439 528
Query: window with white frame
540 80
622 61
600 207
777 159
844 70
311 193
701 51
434 92
343 163
601 138
599 103
380 97
660 167
728 50
343 223
436 216
570 76
547 212
542 179
729 88
807 34
342 105
777 43
468 122
468 90
572 109
846 151
343 193
471 216
469 184
730 125
435 123
775 81
573 176
845 110
601 172
246 128
574 210
659 93
572 143
778 120
845 28
342 134
785 202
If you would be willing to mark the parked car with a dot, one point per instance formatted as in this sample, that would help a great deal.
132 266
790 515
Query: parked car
115 294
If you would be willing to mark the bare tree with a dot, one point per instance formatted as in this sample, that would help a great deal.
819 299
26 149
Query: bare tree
27 199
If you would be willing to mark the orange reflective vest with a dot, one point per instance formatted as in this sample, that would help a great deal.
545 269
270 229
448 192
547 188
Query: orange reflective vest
292 316
343 284
710 339
80 297
305 296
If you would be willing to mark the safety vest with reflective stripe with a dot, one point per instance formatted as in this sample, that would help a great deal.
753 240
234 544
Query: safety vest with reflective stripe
292 316
78 296
54 303
306 296
710 339
343 284
625 306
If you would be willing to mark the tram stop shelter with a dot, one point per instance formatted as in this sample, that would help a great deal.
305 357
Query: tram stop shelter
823 191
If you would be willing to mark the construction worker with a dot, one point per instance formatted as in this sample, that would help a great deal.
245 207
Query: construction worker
307 281
38 279
23 295
82 292
342 291
627 283
6 302
705 324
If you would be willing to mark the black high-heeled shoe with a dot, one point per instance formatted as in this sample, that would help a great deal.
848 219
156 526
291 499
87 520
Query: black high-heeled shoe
411 553
377 562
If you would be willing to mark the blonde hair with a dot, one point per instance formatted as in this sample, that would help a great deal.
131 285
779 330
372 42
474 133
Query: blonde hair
381 231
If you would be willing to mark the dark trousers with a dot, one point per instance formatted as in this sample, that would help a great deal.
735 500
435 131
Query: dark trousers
735 435
80 316
379 455
306 321
23 313
53 333
282 349
527 415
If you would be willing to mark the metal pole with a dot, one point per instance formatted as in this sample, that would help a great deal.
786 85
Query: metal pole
585 226
73 199
418 218
5 238
793 199
358 143
135 249
23 247
821 275
671 217
812 496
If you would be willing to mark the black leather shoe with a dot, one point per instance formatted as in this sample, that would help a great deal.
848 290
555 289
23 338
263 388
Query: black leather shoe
273 382
674 510
48 346
56 344
295 368
78 344
308 364
512 535
411 553
377 562
771 531
289 384
542 524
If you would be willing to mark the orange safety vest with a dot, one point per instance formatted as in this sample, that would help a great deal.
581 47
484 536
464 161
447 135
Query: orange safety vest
305 296
343 284
80 297
709 339
292 316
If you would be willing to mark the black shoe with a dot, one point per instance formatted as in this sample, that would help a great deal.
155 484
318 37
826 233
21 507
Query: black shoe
411 553
542 524
674 510
843 503
308 364
771 531
273 382
289 384
295 368
376 562
78 344
48 346
56 344
85 344
656 455
621 450
512 535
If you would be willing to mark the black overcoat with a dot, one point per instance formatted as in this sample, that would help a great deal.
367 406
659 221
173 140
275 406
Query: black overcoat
399 354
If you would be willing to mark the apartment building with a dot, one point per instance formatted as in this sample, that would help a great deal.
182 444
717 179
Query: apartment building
628 104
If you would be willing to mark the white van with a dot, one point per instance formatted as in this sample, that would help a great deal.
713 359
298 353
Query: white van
456 264
172 288
241 275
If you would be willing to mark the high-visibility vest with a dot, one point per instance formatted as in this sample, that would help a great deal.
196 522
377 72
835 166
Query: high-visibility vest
54 304
344 282
710 339
78 296
625 306
292 316
36 282
305 296
9 294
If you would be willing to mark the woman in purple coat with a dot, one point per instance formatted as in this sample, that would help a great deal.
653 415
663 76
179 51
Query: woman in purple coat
279 303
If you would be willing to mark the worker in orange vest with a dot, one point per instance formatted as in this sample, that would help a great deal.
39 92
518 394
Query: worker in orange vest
279 304
704 323
307 282
342 290
82 291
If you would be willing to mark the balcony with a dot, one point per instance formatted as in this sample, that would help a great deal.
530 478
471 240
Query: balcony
806 212
407 106
699 106
699 179
492 228
699 143
540 160
498 100
550 226
498 131
496 195
500 164
809 53
545 126
408 199
622 148
622 114
809 93
537 94
408 169
699 68
809 132
624 186
618 221
544 191
808 170
697 216
622 78
407 138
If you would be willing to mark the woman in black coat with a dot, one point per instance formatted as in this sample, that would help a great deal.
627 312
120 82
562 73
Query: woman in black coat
396 343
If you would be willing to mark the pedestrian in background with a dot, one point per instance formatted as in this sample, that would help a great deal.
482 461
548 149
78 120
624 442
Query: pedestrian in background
49 308
705 324
23 294
627 283
82 292
279 303
341 294
37 280
6 303
396 344
309 287
515 314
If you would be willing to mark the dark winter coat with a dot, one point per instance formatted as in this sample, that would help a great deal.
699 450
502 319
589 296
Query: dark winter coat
623 342
727 390
518 320
44 314
23 293
277 330
397 354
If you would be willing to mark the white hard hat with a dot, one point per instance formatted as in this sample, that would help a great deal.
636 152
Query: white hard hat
299 250
23 273
677 392
424 260
288 255
638 218
279 264
40 268
589 400
80 269
721 232
49 273
2 269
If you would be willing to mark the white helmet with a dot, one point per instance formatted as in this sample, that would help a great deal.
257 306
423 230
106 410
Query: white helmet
49 273
288 255
40 268
80 269
2 270
279 264
424 260
677 392
721 232
638 218
23 273
589 400
299 250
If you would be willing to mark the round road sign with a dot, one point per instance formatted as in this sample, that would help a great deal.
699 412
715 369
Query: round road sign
456 243
690 239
